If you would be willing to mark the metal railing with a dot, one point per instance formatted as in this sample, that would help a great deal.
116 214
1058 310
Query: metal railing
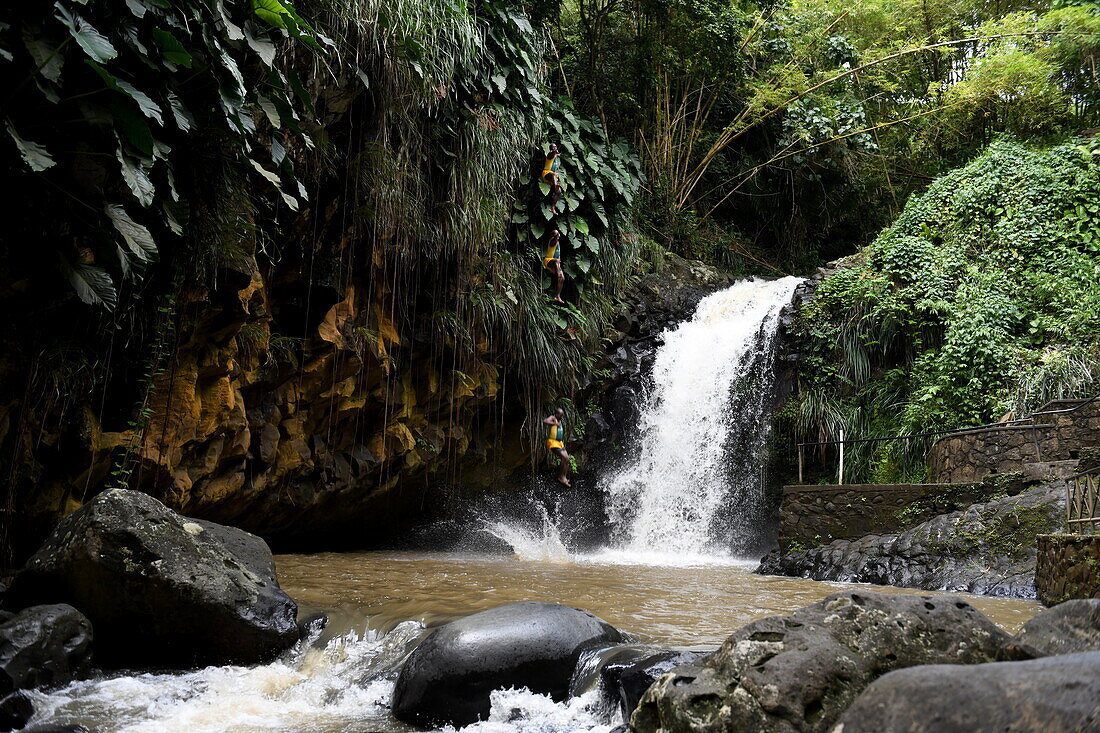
1030 418
1083 501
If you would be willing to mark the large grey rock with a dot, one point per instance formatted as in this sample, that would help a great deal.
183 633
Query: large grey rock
44 645
1051 694
800 672
1073 626
986 548
160 588
448 678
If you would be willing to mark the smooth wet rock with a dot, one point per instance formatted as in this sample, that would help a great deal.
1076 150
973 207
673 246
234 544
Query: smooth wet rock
800 672
44 645
1060 693
15 710
1070 627
160 588
448 677
630 670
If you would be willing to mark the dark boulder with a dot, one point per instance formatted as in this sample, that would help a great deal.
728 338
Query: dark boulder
56 728
448 677
627 674
44 645
800 672
1051 694
1073 626
160 588
15 710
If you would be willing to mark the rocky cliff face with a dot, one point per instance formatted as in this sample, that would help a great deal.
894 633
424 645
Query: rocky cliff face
341 435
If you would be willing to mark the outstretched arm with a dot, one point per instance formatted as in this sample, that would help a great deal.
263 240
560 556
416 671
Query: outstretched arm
550 421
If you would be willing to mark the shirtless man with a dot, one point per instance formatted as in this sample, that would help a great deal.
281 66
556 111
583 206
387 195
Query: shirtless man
550 175
552 262
555 443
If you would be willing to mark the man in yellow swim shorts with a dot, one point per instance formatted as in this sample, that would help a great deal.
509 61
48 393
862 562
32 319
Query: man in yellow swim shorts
552 262
555 443
550 175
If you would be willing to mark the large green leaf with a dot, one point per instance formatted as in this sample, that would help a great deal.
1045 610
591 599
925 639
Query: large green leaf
148 107
272 12
138 239
259 43
92 284
171 49
137 178
47 58
94 43
34 155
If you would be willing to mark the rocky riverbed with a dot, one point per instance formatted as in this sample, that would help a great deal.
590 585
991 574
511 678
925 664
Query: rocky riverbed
171 582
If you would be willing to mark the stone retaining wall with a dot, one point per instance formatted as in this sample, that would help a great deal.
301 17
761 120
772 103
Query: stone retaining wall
1068 566
814 515
970 456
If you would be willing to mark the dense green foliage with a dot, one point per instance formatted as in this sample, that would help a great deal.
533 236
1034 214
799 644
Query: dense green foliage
782 134
982 298
107 103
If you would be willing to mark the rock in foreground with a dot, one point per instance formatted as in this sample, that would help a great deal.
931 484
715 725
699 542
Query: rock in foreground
44 645
1070 627
160 588
800 672
1051 694
448 678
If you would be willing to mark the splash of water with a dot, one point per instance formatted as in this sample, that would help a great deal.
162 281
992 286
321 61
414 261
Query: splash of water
543 543
345 686
695 486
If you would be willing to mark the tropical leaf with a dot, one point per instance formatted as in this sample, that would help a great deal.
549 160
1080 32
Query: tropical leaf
138 239
94 43
148 107
183 118
92 284
171 49
137 178
47 57
262 45
34 155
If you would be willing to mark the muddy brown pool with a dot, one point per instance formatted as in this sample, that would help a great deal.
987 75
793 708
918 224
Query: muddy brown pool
691 604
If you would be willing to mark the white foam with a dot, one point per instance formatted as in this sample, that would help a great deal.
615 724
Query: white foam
345 685
544 543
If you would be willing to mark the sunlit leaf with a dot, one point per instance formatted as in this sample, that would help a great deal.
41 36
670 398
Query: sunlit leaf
137 178
92 284
138 239
94 43
34 155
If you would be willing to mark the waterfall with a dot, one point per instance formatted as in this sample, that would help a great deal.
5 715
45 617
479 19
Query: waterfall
693 481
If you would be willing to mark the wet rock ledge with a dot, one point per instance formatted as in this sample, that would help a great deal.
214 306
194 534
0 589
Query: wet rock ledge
986 548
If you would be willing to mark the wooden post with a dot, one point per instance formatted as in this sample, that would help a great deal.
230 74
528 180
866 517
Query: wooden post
840 473
800 464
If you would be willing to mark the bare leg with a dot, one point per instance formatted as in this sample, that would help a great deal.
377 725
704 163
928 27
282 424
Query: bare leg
560 277
563 471
555 193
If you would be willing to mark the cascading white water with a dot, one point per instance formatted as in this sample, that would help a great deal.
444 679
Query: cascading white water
694 482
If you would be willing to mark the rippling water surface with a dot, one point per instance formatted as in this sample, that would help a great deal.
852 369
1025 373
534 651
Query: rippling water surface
692 603
380 604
